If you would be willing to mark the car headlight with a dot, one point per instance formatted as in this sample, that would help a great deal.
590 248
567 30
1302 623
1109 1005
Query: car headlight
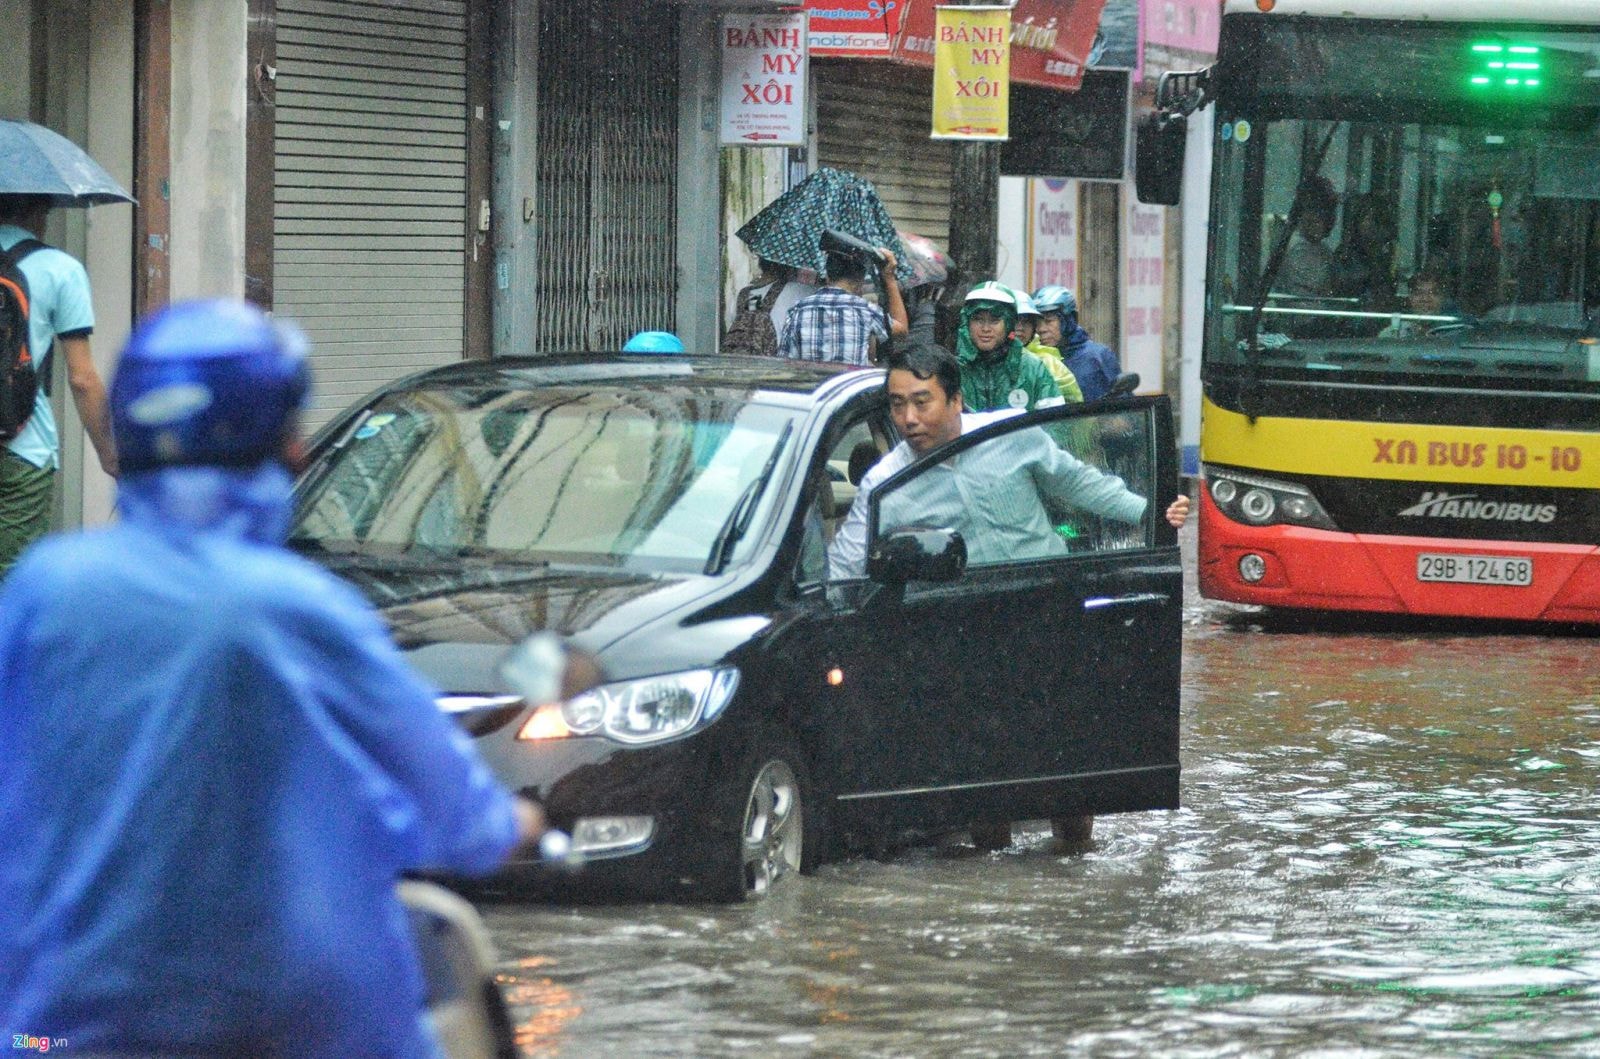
1264 501
651 709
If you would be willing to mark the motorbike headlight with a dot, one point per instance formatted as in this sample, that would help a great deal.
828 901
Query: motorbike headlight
652 709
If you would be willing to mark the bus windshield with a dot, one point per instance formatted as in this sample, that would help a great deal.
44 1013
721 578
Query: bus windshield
1392 243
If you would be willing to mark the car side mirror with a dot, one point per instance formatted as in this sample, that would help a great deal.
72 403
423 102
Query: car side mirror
918 553
1158 152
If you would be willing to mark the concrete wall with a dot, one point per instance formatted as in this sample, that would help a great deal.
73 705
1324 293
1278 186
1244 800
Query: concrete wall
700 254
209 82
16 18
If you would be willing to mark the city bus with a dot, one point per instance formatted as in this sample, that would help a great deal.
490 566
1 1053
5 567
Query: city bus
1401 357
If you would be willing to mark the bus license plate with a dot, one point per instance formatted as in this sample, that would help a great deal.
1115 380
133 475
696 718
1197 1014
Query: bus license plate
1475 569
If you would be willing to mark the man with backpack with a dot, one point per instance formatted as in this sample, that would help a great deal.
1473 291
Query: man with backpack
48 291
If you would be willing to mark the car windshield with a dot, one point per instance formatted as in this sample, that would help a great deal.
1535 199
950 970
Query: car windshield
645 478
1443 226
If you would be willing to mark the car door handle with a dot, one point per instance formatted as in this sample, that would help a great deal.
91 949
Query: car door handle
1096 602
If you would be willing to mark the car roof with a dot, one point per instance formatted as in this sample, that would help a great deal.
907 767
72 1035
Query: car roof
636 371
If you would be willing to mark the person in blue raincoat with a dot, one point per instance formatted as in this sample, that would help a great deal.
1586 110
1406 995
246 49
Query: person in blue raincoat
1094 365
217 761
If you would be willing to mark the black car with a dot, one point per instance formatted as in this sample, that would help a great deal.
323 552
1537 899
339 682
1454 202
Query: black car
672 515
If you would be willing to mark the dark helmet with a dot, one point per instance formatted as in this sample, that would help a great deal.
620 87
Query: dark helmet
207 382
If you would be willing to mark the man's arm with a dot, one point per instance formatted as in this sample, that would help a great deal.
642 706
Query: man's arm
89 395
847 555
460 817
899 323
1068 481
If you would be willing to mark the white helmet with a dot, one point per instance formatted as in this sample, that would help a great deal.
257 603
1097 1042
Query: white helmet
992 291
1025 306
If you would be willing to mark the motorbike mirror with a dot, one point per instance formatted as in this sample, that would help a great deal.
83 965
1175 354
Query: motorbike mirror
544 668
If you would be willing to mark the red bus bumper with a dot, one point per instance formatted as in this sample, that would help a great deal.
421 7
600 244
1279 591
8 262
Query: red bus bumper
1328 570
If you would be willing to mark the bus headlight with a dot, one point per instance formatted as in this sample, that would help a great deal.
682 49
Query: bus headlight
1262 501
1258 506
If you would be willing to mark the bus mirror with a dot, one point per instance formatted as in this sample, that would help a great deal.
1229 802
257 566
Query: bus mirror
1158 158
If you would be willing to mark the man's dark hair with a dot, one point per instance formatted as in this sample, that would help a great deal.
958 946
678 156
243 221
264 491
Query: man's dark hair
22 207
846 266
928 362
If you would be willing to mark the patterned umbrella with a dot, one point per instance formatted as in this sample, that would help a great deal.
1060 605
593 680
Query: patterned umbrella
789 230
35 160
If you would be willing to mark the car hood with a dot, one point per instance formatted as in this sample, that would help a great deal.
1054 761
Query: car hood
456 623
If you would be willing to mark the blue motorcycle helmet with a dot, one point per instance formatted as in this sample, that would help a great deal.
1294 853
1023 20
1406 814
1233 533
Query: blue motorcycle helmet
213 382
1055 299
654 342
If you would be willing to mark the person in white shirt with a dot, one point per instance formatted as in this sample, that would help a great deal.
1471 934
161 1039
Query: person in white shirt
995 495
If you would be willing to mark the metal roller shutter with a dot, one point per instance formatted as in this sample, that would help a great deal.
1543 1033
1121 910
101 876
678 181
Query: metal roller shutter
874 122
370 211
607 173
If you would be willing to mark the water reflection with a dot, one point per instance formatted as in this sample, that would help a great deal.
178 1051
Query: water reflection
1387 848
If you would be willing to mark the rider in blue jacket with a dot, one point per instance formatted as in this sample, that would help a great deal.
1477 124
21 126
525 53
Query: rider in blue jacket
217 763
1094 365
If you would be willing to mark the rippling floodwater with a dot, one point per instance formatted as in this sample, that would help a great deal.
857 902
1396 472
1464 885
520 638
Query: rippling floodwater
1390 846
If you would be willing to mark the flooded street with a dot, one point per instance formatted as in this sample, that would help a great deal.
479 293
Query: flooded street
1388 847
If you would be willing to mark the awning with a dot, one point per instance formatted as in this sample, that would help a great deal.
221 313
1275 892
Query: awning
1050 39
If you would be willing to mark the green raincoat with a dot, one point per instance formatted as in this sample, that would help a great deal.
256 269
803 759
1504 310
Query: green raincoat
1009 378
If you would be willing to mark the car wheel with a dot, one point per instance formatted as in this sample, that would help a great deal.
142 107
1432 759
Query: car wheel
770 829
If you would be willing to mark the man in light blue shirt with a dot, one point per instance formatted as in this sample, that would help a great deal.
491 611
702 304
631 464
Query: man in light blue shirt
60 313
995 494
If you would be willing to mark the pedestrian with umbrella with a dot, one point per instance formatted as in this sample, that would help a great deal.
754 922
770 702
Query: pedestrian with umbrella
45 302
788 232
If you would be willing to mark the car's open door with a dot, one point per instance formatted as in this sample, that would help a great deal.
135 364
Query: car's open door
1042 681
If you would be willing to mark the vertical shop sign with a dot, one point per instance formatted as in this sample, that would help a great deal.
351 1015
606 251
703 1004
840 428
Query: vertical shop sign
1144 238
1053 234
972 73
764 80
854 29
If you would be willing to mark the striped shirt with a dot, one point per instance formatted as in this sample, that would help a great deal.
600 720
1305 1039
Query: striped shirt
832 325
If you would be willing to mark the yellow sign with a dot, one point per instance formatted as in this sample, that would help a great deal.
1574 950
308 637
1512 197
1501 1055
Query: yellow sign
1411 452
972 73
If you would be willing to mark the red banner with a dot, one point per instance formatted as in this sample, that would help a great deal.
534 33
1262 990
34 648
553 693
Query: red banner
1050 39
858 29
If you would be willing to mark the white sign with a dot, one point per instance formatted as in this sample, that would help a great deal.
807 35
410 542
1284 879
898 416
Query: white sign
1144 241
764 80
1053 234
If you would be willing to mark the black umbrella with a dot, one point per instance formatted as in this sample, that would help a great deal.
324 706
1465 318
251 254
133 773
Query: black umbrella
35 160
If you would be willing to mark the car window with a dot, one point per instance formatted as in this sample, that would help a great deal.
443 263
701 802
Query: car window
648 478
859 440
1042 487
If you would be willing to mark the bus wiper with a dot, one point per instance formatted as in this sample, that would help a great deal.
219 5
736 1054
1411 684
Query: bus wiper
1280 250
744 509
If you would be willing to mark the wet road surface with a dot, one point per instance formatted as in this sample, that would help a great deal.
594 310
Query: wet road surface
1389 846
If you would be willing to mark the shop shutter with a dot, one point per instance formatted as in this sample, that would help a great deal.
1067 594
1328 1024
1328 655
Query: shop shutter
370 204
606 197
873 119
